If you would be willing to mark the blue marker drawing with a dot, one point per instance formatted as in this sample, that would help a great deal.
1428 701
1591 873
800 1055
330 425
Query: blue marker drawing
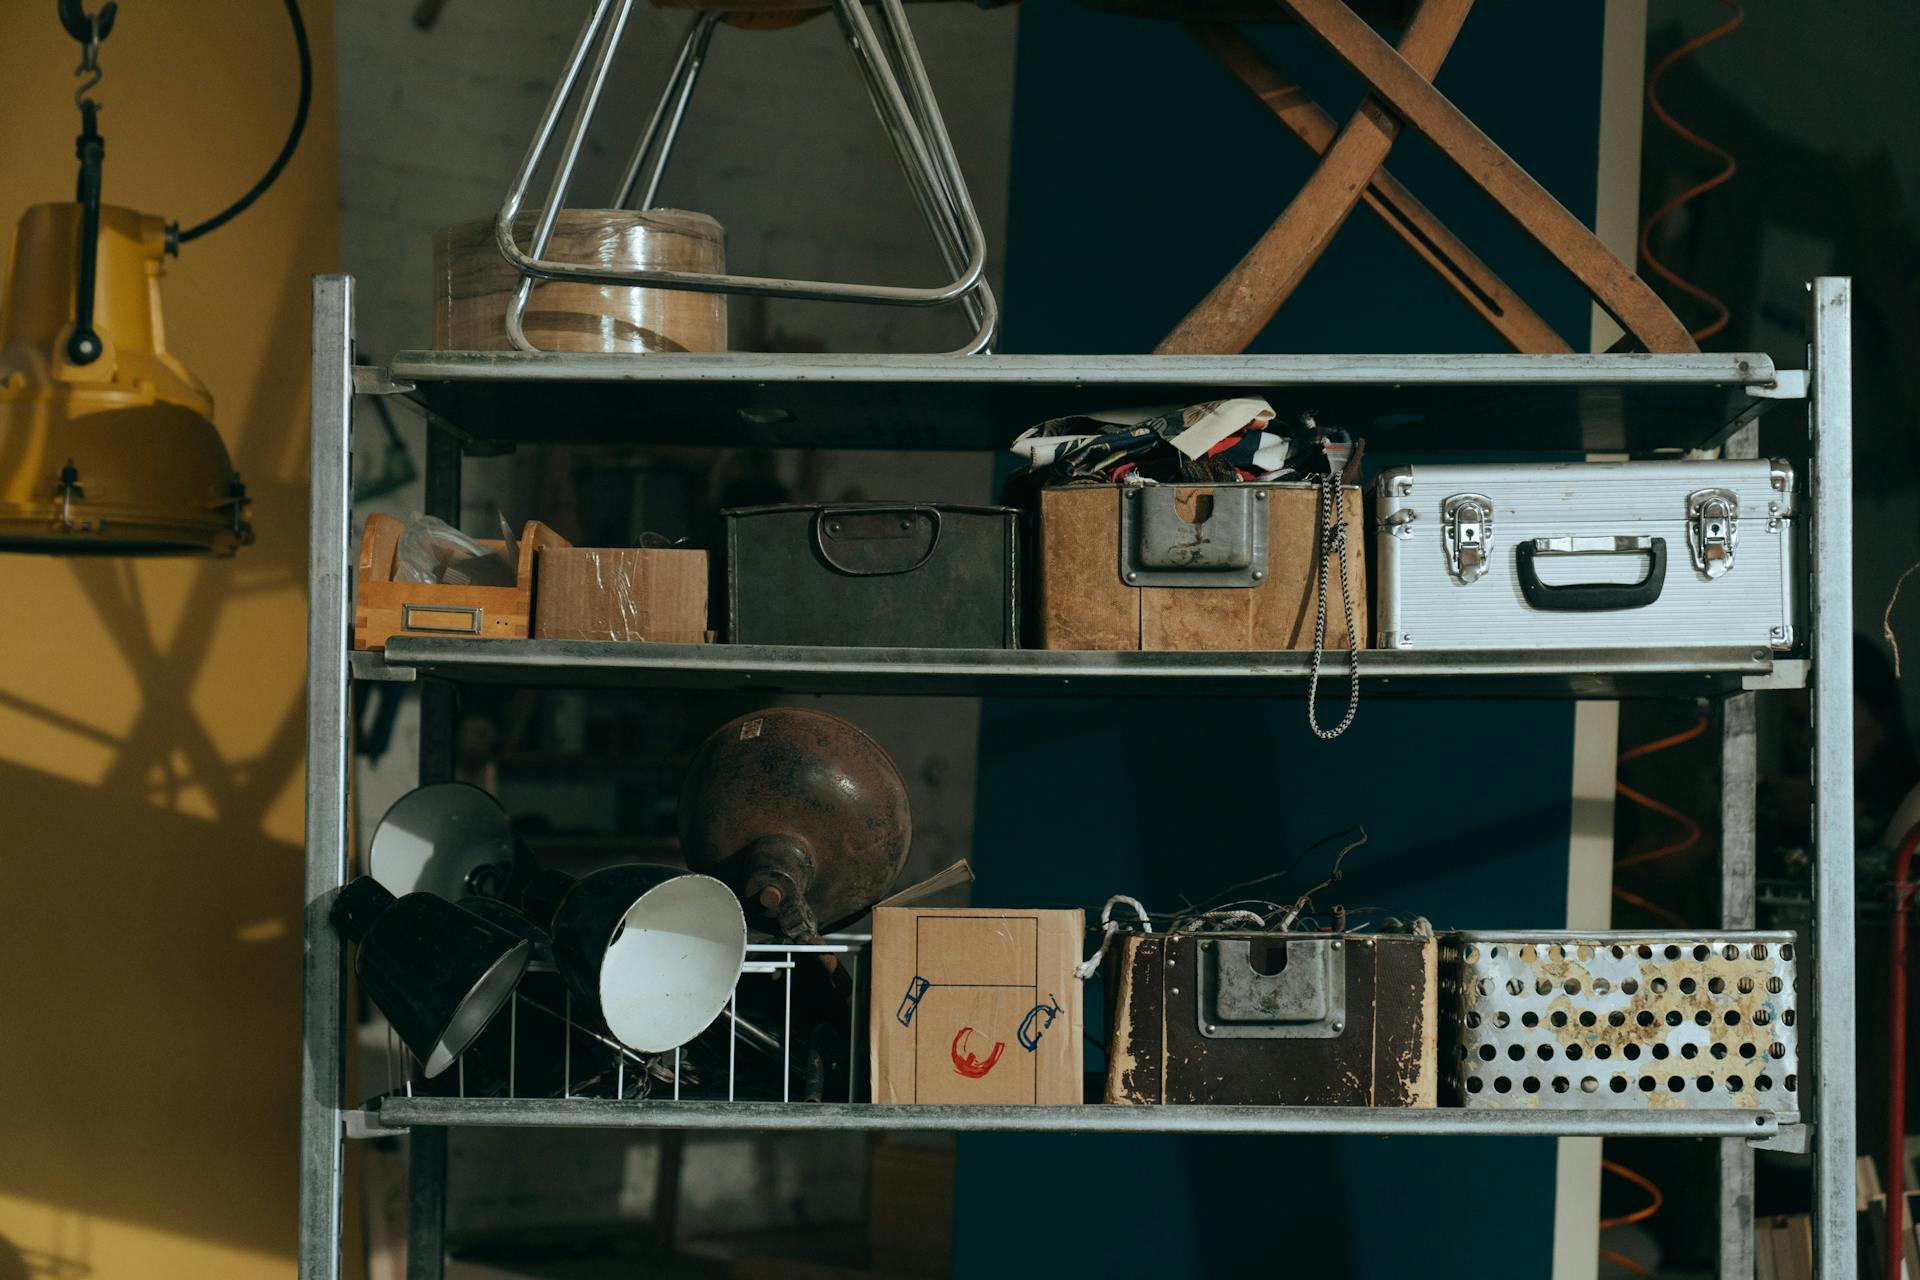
1030 1033
910 1003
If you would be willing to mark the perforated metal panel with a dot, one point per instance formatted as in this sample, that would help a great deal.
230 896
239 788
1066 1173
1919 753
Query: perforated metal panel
1629 1020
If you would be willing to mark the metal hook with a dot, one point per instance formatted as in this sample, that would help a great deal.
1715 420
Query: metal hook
89 29
89 67
86 27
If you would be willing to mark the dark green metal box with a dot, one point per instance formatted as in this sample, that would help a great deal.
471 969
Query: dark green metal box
874 575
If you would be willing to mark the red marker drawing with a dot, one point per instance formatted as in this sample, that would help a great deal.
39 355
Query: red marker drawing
969 1066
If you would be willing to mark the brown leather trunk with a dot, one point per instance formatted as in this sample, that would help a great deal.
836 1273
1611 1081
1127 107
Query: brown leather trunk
1330 1020
1087 602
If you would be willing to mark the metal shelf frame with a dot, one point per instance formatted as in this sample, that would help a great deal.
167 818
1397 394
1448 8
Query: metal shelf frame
1401 404
1571 673
397 1113
1648 404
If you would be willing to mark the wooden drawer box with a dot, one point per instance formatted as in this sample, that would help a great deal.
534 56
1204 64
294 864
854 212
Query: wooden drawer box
1192 566
384 608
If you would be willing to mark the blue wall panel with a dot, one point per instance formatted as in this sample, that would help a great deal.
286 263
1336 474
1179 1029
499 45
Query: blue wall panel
1140 173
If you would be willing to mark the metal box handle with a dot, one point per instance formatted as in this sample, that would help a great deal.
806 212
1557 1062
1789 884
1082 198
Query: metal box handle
1305 999
867 526
1224 544
1591 597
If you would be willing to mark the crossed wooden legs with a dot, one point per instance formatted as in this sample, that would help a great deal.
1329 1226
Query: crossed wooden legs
1351 170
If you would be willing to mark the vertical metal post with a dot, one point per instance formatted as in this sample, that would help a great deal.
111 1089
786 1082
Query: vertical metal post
329 615
666 1192
563 170
1836 1250
439 714
438 709
1739 781
664 125
426 1202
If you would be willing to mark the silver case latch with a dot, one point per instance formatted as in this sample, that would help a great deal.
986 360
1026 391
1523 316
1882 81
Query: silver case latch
1466 527
1713 529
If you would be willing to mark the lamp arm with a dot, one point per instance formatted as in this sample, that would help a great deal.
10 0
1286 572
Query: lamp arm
83 344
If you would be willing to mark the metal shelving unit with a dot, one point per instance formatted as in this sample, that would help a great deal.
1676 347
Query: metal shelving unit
396 1113
1647 405
1576 673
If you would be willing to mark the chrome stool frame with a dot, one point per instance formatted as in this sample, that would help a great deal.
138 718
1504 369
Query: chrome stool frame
902 97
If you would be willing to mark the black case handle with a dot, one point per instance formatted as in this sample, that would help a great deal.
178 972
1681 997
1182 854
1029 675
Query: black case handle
827 513
1591 597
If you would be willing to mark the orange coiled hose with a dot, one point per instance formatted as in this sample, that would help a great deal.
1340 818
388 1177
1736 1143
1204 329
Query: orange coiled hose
1727 169
1689 829
1645 1211
1690 836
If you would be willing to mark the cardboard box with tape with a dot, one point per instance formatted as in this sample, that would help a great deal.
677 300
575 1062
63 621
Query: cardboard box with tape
976 1005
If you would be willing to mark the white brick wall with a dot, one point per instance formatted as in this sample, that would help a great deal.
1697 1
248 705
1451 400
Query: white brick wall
780 144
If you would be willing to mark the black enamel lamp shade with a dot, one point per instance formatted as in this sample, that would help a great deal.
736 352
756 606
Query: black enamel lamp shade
439 972
449 839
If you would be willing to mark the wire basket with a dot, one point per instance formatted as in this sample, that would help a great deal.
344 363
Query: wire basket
790 1032
1627 1021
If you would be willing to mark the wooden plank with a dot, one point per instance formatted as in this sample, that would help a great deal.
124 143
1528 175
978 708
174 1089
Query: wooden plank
1491 298
1239 306
1402 83
1793 1248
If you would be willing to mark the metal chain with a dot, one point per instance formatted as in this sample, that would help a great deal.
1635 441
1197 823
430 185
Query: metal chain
1333 545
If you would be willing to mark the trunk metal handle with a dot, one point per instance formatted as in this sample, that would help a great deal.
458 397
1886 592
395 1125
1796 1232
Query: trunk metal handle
826 514
1591 597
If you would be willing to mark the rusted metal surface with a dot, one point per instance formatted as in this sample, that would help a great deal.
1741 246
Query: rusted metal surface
1379 1050
1621 1020
802 814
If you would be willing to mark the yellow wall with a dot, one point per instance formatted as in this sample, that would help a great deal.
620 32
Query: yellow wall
152 714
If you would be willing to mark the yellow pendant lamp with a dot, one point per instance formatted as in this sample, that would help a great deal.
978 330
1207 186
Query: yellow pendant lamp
118 456
107 443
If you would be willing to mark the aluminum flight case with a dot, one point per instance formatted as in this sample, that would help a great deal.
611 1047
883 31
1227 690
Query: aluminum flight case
1579 555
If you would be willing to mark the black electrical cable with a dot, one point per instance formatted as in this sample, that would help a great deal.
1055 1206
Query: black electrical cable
259 188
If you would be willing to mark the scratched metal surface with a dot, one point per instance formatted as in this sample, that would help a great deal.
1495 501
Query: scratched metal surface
1632 1021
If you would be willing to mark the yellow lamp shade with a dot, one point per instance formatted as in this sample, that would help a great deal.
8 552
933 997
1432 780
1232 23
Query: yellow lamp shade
118 456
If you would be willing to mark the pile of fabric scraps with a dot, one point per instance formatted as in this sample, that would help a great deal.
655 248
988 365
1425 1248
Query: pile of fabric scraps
1221 441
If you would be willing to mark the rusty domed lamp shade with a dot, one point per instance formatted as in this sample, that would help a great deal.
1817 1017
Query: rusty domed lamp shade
107 442
450 839
801 813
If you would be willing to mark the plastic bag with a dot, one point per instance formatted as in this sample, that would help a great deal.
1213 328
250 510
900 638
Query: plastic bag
431 550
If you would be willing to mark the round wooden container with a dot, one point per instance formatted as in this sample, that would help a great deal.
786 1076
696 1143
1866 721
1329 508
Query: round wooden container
473 284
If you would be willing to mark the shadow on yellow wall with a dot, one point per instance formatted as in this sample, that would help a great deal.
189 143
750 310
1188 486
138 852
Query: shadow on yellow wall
152 713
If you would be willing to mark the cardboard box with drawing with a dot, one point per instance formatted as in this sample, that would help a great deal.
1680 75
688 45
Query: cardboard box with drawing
976 1005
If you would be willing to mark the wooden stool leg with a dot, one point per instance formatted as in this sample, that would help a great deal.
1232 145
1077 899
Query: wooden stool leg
1404 86
1491 298
1233 314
